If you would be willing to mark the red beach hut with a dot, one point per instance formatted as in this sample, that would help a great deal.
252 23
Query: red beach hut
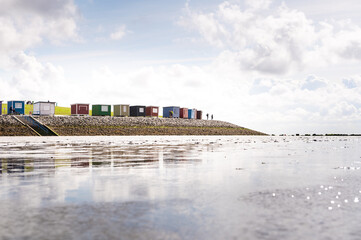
151 111
183 113
80 109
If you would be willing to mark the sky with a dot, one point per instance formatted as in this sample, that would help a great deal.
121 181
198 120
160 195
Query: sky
274 66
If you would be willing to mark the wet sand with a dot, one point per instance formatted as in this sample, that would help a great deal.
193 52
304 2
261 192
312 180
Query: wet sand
189 187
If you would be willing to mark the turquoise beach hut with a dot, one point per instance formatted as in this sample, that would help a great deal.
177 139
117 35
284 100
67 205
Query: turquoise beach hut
192 113
17 107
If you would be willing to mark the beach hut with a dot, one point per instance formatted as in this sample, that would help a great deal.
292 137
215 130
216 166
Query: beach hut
167 112
151 111
192 113
80 109
121 110
101 110
1 107
17 107
183 113
137 111
44 108
199 114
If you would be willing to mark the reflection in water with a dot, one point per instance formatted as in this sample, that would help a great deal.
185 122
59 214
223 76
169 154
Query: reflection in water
90 155
76 171
179 187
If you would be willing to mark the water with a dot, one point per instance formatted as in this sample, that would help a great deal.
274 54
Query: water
189 187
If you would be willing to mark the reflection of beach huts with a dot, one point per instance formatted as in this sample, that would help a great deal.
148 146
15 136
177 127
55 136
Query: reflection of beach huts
199 114
80 109
151 111
44 108
192 113
101 110
1 107
121 110
183 113
137 111
168 111
17 107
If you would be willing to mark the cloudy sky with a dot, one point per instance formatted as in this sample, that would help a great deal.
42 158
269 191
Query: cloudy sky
276 66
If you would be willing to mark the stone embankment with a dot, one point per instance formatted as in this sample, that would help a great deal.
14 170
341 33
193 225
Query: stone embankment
130 121
9 126
91 125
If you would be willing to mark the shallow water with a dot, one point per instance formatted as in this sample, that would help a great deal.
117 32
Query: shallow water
219 187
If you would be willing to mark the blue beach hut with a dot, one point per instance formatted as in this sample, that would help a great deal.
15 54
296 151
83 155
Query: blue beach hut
167 110
17 107
192 113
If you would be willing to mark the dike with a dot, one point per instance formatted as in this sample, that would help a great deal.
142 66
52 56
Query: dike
127 126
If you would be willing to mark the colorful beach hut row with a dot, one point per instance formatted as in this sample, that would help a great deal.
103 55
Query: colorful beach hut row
125 110
120 110
39 108
178 112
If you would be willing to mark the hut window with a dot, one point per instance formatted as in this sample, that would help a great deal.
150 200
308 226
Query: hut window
141 110
104 108
18 105
124 108
155 110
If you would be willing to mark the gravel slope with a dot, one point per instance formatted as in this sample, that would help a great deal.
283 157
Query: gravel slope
89 125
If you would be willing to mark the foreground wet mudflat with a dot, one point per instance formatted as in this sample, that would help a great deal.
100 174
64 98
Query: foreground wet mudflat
180 187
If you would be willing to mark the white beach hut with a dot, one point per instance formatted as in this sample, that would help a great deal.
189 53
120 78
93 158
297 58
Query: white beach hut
44 108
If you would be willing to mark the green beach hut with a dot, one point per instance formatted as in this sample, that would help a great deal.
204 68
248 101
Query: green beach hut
101 110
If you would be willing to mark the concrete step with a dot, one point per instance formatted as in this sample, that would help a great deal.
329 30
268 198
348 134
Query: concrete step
35 125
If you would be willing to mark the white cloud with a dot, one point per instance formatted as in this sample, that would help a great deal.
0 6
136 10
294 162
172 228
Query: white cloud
258 4
24 24
119 33
279 41
33 79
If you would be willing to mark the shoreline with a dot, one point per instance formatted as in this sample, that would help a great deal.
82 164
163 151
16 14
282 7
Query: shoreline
123 126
